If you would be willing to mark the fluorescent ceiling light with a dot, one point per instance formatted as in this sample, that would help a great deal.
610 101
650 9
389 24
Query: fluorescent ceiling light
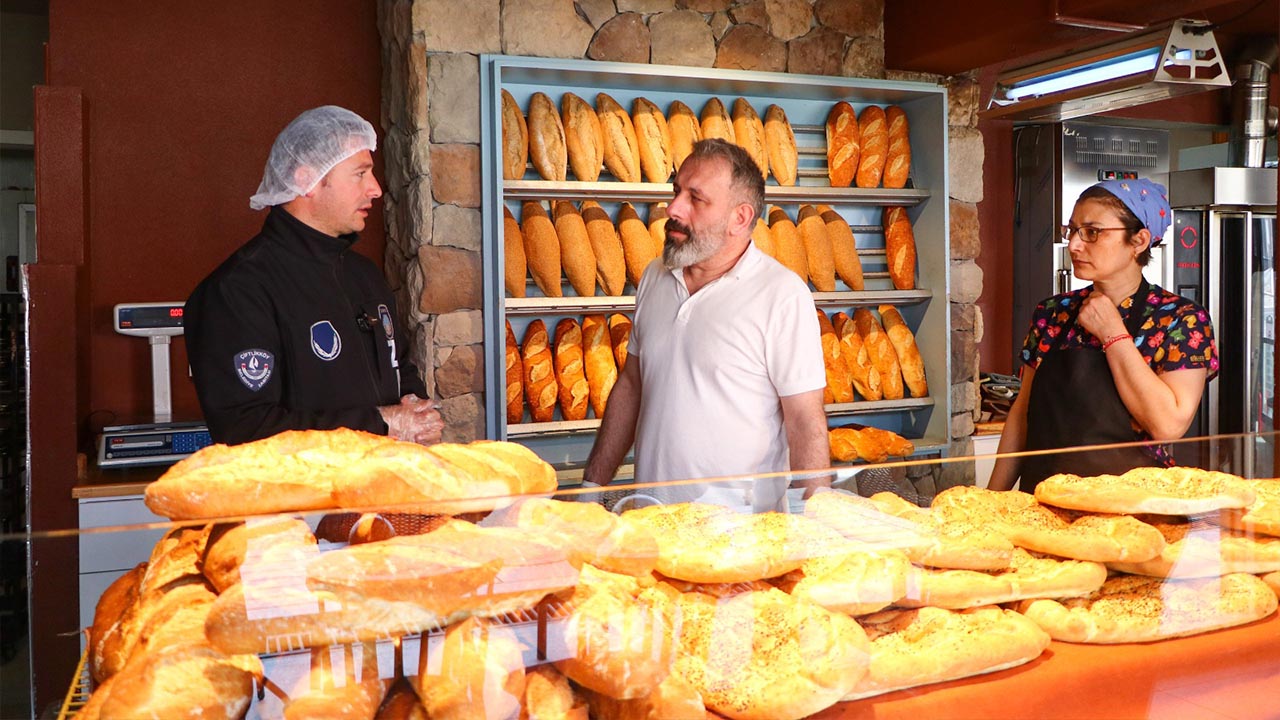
1142 61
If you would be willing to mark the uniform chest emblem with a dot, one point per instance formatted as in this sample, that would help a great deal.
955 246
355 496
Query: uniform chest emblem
254 367
384 315
326 343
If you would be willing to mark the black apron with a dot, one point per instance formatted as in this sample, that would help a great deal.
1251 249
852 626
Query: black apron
1074 402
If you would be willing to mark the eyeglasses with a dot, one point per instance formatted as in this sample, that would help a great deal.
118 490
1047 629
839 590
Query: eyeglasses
1088 233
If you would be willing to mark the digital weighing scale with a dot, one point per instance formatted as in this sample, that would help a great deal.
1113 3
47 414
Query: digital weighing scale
162 441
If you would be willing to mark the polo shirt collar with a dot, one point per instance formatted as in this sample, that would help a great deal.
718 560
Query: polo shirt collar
748 260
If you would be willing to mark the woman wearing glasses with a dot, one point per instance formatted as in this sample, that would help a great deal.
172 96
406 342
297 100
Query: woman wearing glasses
1116 362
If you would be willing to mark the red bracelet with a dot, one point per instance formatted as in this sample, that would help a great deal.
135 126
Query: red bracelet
1115 339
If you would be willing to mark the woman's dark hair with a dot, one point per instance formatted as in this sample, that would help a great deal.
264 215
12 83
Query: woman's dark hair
1130 221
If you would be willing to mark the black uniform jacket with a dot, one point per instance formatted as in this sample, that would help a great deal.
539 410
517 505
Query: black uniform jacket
295 331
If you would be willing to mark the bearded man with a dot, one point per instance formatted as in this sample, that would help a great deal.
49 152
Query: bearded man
725 373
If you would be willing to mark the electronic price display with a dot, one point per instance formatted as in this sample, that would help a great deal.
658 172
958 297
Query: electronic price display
149 319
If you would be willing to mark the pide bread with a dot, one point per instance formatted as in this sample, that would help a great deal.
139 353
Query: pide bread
881 353
606 246
540 384
930 645
715 121
900 248
898 165
904 344
515 139
855 583
1199 548
621 147
583 137
875 146
1028 576
654 141
598 362
541 248
637 246
591 535
479 674
570 374
1263 514
515 269
839 382
953 544
576 255
817 249
791 249
547 146
515 379
1162 491
748 133
1028 524
866 379
620 336
857 519
1272 580
686 130
844 250
780 142
844 144
1129 609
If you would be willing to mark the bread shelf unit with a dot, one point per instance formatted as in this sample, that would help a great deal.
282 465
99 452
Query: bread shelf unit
806 99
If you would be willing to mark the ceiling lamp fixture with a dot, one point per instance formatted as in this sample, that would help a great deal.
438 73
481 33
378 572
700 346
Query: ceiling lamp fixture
1177 59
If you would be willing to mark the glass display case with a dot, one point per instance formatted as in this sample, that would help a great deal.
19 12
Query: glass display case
1146 595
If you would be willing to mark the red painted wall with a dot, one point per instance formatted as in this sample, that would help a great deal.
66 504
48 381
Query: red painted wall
183 101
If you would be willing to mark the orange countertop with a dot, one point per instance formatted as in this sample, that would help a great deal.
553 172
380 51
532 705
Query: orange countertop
1231 674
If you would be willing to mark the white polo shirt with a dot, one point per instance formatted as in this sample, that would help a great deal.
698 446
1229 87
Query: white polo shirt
714 366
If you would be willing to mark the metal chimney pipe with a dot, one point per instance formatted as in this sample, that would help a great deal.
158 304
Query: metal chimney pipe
1252 120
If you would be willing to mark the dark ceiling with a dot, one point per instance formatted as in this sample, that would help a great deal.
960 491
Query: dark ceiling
948 38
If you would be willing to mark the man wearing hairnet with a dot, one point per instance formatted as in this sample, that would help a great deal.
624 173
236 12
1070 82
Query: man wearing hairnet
296 330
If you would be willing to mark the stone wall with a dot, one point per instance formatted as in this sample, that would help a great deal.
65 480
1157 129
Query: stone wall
432 130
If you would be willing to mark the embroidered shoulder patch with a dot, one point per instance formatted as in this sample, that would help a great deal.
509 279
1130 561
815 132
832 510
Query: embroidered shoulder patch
253 367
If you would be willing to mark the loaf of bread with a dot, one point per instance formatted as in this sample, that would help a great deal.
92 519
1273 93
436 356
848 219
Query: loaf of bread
479 673
515 139
867 443
844 144
748 132
780 142
866 379
539 372
844 249
817 249
541 248
674 697
791 248
347 686
190 680
106 635
401 703
611 267
900 248
254 541
592 535
620 335
576 255
547 146
898 165
904 343
685 129
658 227
621 148
175 560
570 376
880 350
875 146
654 138
548 694
763 239
584 138
514 269
637 245
715 121
601 369
839 381
515 379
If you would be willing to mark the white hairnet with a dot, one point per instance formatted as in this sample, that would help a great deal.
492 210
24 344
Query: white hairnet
307 149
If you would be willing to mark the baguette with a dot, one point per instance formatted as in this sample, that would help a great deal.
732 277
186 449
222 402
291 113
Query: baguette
716 122
515 139
515 270
539 372
839 381
583 137
191 680
621 148
515 379
569 370
479 673
347 689
844 250
875 146
780 141
106 635
654 139
546 139
637 245
867 443
898 165
620 336
900 248
257 540
763 239
817 249
611 268
541 248
791 250
686 130
844 145
904 344
598 362
880 350
575 249
748 131
658 227
866 379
